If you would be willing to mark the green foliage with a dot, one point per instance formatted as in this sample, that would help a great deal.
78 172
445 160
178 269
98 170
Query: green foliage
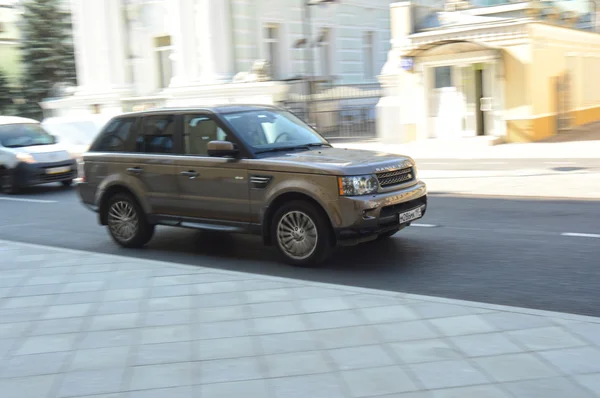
6 96
47 52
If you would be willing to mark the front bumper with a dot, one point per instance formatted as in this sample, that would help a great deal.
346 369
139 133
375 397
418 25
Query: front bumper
362 219
29 174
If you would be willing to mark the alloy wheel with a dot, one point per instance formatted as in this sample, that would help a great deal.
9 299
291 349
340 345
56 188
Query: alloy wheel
123 220
297 235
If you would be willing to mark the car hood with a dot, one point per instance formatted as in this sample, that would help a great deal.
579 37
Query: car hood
45 153
339 161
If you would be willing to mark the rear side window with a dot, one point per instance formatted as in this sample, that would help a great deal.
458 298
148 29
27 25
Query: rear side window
118 136
158 135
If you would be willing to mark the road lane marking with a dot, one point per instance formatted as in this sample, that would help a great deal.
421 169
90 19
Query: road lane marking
431 163
423 225
27 200
580 235
560 163
489 163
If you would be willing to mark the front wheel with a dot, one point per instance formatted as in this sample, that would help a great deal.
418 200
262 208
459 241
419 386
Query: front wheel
8 184
127 223
302 234
67 183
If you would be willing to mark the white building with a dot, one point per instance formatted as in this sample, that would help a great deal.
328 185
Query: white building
179 52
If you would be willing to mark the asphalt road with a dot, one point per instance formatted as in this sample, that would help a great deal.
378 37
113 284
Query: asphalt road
502 251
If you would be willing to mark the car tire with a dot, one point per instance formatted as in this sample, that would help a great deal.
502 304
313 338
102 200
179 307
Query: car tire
387 235
309 232
67 183
127 223
8 185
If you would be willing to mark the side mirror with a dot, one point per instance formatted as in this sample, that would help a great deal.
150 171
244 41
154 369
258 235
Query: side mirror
221 149
55 138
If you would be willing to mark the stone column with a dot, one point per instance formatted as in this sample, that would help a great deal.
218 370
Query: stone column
186 67
214 30
99 44
117 42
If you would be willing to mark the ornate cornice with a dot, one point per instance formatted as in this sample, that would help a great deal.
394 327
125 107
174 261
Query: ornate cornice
477 33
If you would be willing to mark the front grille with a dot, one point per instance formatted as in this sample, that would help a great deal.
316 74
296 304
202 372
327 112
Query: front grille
396 177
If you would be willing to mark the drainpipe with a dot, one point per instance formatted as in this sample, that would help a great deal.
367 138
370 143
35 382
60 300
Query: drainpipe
307 25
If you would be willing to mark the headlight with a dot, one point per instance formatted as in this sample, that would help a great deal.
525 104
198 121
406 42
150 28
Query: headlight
25 157
358 185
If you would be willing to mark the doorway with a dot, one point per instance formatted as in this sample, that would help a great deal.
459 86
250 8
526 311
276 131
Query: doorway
480 117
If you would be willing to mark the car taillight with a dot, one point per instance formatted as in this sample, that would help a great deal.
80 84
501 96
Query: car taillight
81 170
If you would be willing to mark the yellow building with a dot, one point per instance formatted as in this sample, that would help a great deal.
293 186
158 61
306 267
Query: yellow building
519 73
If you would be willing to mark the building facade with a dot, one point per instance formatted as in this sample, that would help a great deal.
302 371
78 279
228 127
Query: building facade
182 52
513 72
9 40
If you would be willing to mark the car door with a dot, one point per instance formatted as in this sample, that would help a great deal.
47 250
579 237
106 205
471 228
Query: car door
155 162
211 188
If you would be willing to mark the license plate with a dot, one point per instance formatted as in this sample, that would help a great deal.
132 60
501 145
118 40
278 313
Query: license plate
410 215
58 170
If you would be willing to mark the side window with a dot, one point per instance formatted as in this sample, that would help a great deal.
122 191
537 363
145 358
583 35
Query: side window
117 137
198 131
158 135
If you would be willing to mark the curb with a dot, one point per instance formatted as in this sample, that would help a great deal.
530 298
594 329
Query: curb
361 290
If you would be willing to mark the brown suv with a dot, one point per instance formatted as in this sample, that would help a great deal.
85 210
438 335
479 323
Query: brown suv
250 169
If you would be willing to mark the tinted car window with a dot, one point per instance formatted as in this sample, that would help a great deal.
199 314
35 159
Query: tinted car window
198 131
158 135
119 136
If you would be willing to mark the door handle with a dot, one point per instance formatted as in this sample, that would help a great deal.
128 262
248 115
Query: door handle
135 170
190 173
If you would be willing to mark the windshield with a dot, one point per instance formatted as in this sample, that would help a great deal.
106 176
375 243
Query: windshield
271 130
23 135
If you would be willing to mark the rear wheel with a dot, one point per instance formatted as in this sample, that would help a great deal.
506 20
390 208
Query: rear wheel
127 223
302 234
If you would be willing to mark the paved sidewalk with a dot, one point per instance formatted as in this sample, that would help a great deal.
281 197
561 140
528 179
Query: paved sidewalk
525 183
473 149
75 324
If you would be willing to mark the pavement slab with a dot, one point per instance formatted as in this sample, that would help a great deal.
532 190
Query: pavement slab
190 332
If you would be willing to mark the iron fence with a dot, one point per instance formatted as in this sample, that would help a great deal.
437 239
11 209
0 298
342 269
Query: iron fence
337 112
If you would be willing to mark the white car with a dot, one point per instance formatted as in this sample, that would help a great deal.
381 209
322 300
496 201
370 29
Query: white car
76 133
29 156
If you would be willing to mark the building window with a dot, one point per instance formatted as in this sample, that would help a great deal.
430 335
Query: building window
368 58
272 42
325 52
164 50
443 76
